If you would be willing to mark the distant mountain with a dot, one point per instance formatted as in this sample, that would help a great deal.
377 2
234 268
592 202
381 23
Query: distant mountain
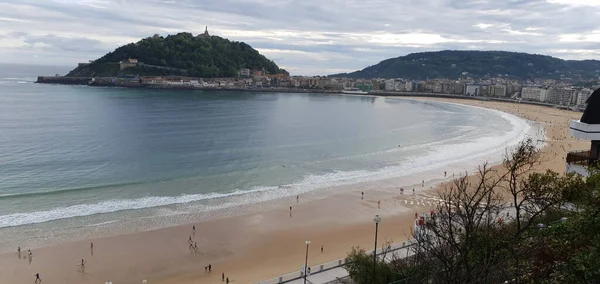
180 54
451 64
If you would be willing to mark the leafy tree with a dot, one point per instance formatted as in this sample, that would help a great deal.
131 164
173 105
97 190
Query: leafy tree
487 229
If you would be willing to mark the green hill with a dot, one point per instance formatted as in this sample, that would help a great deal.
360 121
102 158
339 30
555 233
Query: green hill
180 54
451 64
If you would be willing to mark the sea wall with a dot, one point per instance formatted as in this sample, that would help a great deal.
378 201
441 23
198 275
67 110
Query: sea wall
63 80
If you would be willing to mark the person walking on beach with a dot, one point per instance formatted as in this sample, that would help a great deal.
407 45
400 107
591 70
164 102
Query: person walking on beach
195 247
321 248
227 280
194 230
378 204
362 195
445 173
29 254
422 183
206 267
222 276
190 240
297 198
37 278
209 267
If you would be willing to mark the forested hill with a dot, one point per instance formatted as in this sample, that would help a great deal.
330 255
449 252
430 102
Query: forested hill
180 54
451 64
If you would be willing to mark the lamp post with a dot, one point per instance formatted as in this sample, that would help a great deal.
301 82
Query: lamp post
376 219
306 260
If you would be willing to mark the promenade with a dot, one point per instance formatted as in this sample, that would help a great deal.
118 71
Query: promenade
334 271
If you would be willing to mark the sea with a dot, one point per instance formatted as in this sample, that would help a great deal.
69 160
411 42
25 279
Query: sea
78 161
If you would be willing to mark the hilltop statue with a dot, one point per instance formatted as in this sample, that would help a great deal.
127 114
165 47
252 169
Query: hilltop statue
591 115
205 34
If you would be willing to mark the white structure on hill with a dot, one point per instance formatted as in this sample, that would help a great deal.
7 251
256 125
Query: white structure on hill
587 128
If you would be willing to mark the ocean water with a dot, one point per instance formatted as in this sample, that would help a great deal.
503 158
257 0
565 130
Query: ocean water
77 156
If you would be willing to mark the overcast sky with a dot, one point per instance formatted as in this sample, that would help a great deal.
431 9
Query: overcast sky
307 37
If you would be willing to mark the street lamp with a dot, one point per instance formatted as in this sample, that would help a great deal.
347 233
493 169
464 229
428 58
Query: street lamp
306 260
376 219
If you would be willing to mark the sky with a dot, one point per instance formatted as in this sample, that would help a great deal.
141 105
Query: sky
307 37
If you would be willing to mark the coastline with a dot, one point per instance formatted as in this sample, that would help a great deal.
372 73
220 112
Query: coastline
108 82
234 244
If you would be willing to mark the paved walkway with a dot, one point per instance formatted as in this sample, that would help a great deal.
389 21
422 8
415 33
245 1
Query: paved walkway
332 271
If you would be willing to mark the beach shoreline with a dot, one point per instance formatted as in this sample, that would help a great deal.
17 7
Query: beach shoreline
232 244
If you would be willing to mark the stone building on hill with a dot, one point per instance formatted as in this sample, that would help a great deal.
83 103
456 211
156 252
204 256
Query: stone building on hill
205 34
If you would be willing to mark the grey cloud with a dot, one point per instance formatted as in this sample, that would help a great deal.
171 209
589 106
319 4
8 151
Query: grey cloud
78 44
339 33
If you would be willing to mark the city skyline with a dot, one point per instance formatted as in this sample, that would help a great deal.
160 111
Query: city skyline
305 37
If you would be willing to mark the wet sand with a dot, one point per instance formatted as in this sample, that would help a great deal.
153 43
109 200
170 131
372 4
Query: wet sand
262 245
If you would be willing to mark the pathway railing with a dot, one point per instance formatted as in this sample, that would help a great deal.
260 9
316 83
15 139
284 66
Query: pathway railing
388 252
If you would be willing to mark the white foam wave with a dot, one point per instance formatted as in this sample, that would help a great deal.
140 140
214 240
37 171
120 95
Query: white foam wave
109 206
103 223
440 155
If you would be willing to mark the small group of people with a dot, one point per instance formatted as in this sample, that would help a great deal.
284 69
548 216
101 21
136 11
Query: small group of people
29 254
193 246
224 279
208 267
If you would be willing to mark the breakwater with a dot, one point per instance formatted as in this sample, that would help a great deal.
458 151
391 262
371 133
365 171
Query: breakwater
63 80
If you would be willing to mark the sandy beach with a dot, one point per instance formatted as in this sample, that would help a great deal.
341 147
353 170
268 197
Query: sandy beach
262 245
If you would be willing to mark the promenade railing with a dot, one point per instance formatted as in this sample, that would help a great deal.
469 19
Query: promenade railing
390 252
584 158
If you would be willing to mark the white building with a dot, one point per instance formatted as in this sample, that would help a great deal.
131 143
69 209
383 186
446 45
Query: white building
408 86
400 86
583 95
498 91
561 96
472 90
245 72
390 85
534 94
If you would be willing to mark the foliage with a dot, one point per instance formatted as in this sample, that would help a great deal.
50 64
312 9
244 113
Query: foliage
451 64
95 70
198 56
360 268
488 229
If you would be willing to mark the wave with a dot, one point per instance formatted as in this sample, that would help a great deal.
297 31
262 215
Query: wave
103 223
20 79
76 189
80 210
440 156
